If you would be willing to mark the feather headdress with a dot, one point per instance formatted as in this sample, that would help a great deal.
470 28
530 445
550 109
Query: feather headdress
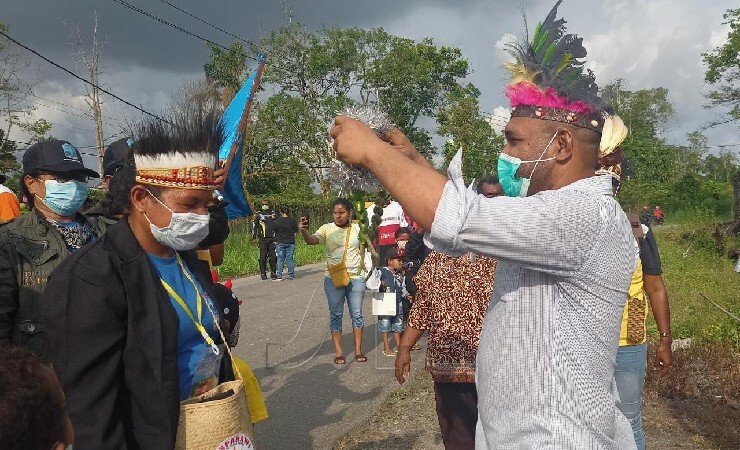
548 79
610 153
180 154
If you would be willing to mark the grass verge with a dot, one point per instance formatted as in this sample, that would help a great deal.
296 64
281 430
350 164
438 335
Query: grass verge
690 271
242 256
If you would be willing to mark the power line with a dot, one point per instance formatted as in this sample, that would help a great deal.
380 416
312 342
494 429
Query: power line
183 30
169 24
75 114
33 143
58 66
207 23
83 110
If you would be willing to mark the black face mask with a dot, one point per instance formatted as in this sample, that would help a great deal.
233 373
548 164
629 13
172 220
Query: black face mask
218 226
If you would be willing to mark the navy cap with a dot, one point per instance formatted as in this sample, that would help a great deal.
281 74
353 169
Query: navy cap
114 155
55 155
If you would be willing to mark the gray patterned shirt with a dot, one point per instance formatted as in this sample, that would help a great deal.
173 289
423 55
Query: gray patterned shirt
546 360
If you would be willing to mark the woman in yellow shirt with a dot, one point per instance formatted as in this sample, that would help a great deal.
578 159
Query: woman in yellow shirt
341 238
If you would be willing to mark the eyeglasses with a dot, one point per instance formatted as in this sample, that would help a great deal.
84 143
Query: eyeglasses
63 177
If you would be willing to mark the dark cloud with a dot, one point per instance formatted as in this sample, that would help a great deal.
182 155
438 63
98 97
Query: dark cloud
145 61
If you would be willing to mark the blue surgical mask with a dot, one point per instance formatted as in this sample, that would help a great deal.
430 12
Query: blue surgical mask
64 198
508 166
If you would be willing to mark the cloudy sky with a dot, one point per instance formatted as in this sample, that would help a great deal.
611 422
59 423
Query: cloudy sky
649 43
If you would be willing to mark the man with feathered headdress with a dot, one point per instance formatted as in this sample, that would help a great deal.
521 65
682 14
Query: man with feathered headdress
545 366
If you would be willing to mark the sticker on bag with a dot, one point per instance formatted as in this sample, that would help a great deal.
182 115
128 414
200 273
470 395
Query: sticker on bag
238 441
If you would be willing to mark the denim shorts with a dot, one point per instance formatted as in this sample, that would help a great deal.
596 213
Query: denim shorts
392 324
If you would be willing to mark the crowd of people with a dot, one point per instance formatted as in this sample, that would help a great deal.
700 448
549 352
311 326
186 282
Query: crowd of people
533 287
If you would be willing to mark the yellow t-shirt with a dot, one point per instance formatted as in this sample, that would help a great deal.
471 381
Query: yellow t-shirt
635 312
333 239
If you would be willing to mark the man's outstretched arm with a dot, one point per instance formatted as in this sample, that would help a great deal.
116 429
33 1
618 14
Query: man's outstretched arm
410 179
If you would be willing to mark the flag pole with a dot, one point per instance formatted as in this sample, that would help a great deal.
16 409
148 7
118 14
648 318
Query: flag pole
246 115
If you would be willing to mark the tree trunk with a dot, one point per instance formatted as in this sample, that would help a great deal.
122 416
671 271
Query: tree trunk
736 191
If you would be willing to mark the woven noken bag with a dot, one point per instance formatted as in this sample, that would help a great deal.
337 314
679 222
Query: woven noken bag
636 315
218 419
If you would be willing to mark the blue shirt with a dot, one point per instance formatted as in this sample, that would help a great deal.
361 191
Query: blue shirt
190 344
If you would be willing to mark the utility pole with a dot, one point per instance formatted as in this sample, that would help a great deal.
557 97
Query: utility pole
91 61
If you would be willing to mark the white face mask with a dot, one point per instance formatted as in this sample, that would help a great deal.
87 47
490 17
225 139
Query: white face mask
184 232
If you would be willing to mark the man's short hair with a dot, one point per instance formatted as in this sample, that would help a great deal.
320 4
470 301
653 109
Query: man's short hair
491 179
31 416
402 230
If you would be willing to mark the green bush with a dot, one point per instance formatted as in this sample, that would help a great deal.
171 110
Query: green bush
691 193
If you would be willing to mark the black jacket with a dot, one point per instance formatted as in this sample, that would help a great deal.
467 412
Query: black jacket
30 249
416 253
262 225
112 333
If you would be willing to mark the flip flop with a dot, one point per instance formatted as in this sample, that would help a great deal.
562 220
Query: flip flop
339 360
389 354
416 347
360 358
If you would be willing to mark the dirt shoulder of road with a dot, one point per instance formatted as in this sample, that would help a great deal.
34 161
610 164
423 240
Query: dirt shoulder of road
697 406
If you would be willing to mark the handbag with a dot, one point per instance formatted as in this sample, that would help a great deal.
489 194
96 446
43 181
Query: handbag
384 304
219 418
338 272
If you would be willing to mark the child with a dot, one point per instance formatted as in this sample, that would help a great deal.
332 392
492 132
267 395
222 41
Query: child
403 235
33 412
392 280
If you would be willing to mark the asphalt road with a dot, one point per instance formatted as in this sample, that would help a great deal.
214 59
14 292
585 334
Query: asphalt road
284 336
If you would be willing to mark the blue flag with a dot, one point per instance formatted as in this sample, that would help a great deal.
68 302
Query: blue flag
237 204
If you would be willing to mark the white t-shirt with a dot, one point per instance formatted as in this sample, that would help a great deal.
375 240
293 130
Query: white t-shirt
393 219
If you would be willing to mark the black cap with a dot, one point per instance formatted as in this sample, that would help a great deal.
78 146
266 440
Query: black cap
55 156
114 155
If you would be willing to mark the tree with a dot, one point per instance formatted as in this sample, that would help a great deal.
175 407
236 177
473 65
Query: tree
646 113
8 148
226 70
722 167
723 68
468 129
91 60
18 78
315 74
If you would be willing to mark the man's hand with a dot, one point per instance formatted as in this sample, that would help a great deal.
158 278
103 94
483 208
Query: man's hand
354 141
403 363
400 142
219 178
663 356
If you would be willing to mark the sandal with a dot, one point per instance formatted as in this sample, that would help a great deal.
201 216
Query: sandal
360 358
339 360
416 347
392 353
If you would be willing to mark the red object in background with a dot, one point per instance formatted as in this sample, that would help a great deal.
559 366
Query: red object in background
214 276
228 284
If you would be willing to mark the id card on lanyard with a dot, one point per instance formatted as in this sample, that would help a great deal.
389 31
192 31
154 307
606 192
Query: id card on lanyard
207 370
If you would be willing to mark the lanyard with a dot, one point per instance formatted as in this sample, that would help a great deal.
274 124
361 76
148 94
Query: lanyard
199 306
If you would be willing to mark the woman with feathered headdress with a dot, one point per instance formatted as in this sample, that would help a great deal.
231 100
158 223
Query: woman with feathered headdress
133 320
